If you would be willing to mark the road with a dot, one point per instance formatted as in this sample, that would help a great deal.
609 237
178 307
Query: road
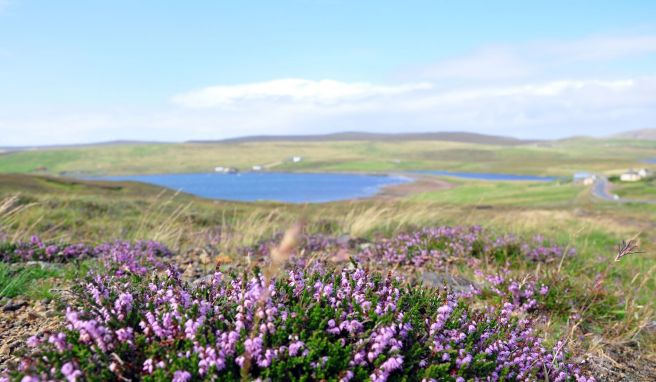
600 190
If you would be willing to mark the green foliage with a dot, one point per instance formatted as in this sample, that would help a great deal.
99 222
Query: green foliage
26 280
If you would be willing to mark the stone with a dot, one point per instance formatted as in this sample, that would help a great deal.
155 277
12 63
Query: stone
12 306
457 283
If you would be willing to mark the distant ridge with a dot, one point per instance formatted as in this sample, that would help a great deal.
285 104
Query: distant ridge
644 134
76 145
452 136
363 136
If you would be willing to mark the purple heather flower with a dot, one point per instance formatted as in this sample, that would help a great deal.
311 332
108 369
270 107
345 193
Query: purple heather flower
33 341
70 372
181 376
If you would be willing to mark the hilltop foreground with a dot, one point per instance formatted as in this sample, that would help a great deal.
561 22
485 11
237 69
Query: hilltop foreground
303 313
475 279
438 303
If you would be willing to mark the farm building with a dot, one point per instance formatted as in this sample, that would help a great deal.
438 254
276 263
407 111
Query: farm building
630 176
226 170
584 178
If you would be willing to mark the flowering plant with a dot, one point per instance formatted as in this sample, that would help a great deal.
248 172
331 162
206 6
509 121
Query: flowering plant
350 325
37 250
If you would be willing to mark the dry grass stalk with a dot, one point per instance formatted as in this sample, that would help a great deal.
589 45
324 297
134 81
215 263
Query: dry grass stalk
158 224
279 257
627 248
9 217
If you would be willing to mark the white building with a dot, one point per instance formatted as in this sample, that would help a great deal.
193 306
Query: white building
226 170
584 178
643 172
296 159
630 176
257 168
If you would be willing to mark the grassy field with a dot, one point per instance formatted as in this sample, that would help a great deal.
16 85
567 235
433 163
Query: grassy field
560 158
93 212
644 189
63 209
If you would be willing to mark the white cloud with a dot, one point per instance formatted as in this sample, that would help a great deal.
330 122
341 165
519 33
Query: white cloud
543 89
548 109
293 89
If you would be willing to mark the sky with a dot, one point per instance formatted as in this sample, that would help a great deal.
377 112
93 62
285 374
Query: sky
157 70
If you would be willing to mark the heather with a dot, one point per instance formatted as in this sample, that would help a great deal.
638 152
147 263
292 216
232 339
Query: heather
306 324
37 250
429 247
315 315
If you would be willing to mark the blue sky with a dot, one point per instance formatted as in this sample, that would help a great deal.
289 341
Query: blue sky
82 71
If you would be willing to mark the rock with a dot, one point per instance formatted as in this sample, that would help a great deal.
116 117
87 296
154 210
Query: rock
43 264
344 240
457 283
201 280
51 313
13 306
365 246
13 346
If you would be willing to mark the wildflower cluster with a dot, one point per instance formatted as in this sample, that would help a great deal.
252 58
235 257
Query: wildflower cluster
524 294
308 243
348 325
37 250
434 247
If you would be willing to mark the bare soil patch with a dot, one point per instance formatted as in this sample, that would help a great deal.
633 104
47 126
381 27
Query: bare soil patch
419 185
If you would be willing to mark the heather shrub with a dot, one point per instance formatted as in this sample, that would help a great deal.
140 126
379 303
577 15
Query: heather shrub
37 250
524 294
348 325
436 246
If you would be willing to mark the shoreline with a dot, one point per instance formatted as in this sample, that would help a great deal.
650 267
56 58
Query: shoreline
417 185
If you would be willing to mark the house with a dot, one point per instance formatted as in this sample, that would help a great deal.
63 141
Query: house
643 172
226 170
584 178
296 159
257 168
230 170
630 176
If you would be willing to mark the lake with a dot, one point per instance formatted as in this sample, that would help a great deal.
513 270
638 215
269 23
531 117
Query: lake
488 176
272 186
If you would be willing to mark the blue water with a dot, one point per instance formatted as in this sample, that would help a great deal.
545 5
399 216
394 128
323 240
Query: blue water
272 186
488 176
650 160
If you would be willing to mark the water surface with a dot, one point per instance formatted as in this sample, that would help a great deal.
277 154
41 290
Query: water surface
488 176
272 186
